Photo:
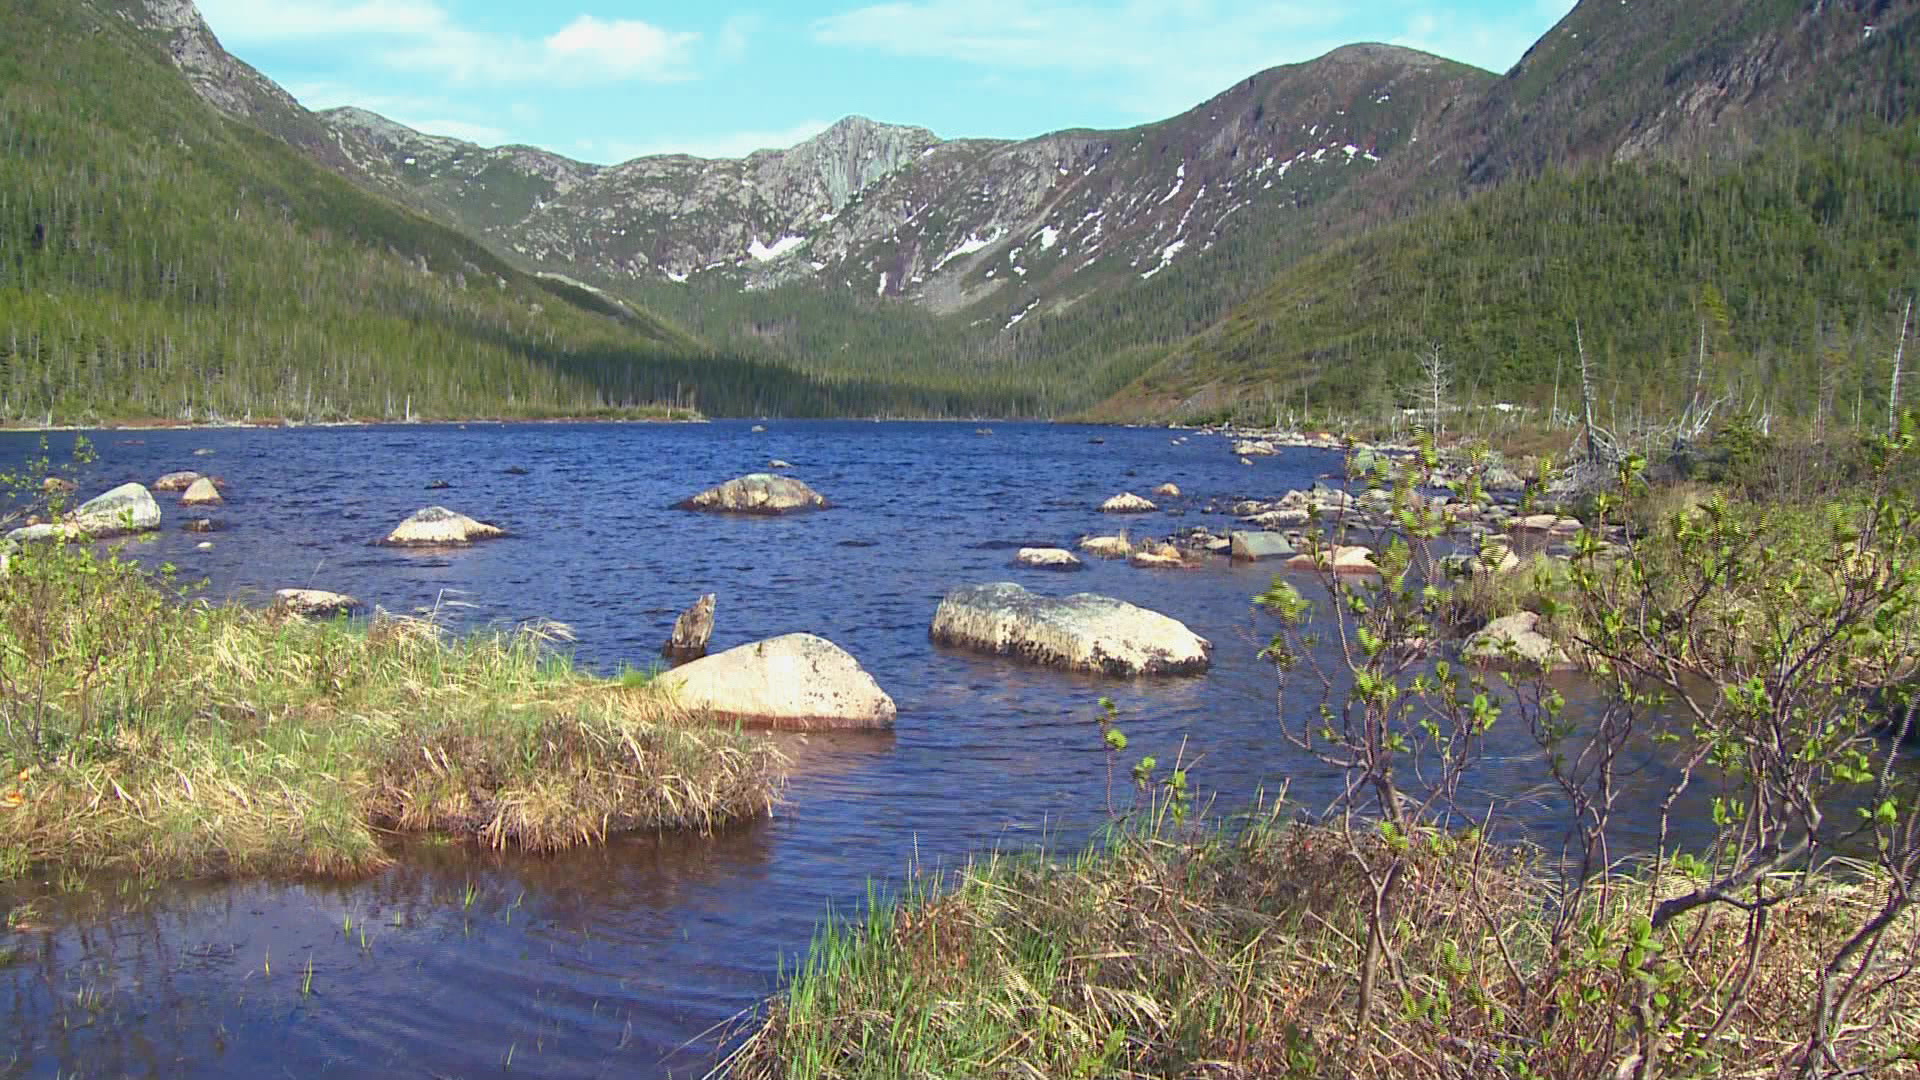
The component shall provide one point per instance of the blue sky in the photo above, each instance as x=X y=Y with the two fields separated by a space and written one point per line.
x=607 y=80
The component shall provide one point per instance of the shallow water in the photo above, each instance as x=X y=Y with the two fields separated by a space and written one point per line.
x=624 y=961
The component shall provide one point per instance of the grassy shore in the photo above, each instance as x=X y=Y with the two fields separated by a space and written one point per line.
x=1232 y=953
x=142 y=731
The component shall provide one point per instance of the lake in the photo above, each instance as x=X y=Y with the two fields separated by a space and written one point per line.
x=629 y=960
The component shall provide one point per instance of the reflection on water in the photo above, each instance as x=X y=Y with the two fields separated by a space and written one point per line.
x=623 y=961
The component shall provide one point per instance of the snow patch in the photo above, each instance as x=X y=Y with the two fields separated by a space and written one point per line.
x=882 y=290
x=967 y=247
x=1049 y=237
x=1179 y=182
x=763 y=253
x=677 y=279
x=1167 y=255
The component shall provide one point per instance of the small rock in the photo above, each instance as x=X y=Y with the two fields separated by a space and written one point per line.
x=759 y=429
x=1048 y=559
x=438 y=526
x=1254 y=448
x=200 y=525
x=1167 y=491
x=1343 y=560
x=1127 y=503
x=204 y=545
x=776 y=463
x=1246 y=461
x=313 y=603
x=514 y=470
x=58 y=485
x=201 y=493
x=692 y=630
x=203 y=452
x=758 y=493
x=1163 y=557
x=176 y=481
x=439 y=485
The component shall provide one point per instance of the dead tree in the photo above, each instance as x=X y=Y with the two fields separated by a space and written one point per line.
x=1899 y=354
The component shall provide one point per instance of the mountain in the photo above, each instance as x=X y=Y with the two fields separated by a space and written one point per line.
x=1644 y=170
x=896 y=212
x=160 y=260
x=1311 y=229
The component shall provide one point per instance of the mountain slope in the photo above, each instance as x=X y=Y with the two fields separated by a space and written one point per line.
x=1725 y=92
x=159 y=260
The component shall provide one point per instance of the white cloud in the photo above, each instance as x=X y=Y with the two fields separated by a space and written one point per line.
x=1152 y=44
x=420 y=36
x=737 y=144
x=735 y=35
x=251 y=22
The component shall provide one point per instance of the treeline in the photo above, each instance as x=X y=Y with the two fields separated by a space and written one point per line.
x=159 y=261
x=1777 y=284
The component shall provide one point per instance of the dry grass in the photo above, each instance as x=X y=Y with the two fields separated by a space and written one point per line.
x=146 y=733
x=1234 y=955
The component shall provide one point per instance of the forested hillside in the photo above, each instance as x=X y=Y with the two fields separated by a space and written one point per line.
x=1789 y=273
x=160 y=261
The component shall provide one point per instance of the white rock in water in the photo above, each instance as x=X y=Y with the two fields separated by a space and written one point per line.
x=1515 y=641
x=758 y=493
x=201 y=493
x=1081 y=633
x=128 y=508
x=1127 y=503
x=437 y=526
x=316 y=603
x=1107 y=547
x=798 y=682
x=1048 y=559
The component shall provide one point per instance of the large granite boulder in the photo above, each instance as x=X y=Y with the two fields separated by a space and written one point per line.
x=758 y=493
x=437 y=526
x=1080 y=633
x=798 y=682
x=692 y=630
x=1515 y=641
x=126 y=509
x=314 y=603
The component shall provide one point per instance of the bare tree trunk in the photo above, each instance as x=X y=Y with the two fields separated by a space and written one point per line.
x=1899 y=354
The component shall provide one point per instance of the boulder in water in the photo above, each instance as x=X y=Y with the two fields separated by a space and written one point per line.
x=1515 y=641
x=313 y=603
x=1256 y=546
x=798 y=682
x=201 y=493
x=1127 y=503
x=1080 y=633
x=1167 y=491
x=437 y=526
x=758 y=493
x=692 y=630
x=126 y=509
x=1048 y=559
x=176 y=481
x=1107 y=547
x=1342 y=560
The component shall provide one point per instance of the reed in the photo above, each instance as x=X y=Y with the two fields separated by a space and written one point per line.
x=143 y=730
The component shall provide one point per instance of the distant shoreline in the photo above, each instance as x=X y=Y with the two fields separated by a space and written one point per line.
x=276 y=425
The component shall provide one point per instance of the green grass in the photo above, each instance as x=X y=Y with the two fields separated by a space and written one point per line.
x=1231 y=954
x=143 y=732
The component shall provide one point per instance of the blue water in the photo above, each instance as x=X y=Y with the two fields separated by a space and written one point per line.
x=626 y=961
